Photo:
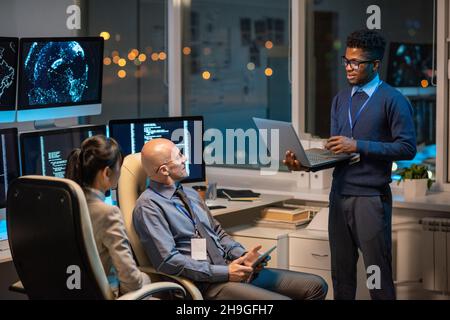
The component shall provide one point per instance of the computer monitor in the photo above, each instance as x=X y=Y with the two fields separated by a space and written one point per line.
x=46 y=152
x=9 y=163
x=409 y=64
x=59 y=78
x=8 y=78
x=185 y=132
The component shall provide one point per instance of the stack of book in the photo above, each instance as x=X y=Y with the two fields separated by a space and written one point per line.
x=286 y=217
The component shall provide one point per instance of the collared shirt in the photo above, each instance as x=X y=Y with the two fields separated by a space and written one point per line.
x=165 y=231
x=369 y=88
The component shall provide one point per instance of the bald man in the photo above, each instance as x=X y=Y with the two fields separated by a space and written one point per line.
x=182 y=238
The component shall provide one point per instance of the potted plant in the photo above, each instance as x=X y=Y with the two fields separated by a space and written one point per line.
x=416 y=181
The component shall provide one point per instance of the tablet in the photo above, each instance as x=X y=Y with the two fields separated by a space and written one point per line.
x=263 y=257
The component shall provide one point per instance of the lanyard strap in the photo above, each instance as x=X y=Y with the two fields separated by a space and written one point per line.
x=350 y=120
x=183 y=210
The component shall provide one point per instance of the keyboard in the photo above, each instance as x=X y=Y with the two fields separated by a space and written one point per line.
x=321 y=156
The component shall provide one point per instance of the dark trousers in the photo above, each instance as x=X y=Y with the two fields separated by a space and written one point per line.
x=271 y=284
x=364 y=223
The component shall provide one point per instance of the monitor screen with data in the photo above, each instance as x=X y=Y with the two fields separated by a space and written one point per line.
x=59 y=77
x=185 y=132
x=8 y=78
x=46 y=152
x=9 y=161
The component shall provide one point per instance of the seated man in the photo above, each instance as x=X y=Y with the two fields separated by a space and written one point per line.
x=174 y=226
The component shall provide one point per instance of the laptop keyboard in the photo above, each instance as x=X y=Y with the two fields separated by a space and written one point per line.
x=320 y=156
x=317 y=159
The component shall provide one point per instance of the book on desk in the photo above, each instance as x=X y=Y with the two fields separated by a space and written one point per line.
x=286 y=217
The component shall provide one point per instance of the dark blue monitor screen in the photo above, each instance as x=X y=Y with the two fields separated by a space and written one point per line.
x=60 y=72
x=46 y=152
x=9 y=161
x=409 y=64
x=185 y=132
x=8 y=73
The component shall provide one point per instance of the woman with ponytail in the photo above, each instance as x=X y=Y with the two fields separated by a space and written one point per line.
x=96 y=168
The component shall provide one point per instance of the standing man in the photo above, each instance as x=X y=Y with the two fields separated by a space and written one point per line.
x=375 y=120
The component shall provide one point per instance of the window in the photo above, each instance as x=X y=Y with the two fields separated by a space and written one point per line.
x=236 y=63
x=408 y=62
x=134 y=73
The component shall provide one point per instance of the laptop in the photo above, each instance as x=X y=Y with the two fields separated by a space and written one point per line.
x=314 y=159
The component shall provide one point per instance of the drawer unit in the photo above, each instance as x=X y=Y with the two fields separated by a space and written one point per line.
x=250 y=236
x=309 y=253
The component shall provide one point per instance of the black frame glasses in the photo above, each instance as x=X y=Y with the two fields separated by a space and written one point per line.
x=354 y=64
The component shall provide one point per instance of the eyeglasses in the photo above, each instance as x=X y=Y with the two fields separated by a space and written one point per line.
x=177 y=159
x=354 y=64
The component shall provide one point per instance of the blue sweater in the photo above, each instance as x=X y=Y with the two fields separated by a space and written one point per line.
x=384 y=133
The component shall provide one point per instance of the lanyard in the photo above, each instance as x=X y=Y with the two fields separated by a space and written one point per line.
x=183 y=210
x=350 y=120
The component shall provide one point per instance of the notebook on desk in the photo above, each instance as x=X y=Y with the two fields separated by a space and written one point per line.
x=238 y=195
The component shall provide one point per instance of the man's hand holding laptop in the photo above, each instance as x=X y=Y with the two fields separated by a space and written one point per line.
x=336 y=144
x=292 y=163
x=340 y=144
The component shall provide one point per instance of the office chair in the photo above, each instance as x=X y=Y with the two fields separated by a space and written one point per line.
x=52 y=243
x=132 y=183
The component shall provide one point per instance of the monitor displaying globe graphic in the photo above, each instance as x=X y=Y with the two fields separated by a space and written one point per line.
x=58 y=73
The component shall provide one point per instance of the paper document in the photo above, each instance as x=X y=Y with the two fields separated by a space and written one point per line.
x=320 y=221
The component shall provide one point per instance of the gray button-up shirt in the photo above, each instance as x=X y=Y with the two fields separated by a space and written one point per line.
x=165 y=230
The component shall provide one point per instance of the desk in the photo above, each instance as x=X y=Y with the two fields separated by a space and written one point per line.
x=232 y=207
x=237 y=206
x=433 y=201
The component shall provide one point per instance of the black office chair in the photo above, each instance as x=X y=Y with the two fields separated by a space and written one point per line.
x=51 y=239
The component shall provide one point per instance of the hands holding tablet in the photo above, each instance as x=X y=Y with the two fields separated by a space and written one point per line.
x=245 y=268
x=257 y=261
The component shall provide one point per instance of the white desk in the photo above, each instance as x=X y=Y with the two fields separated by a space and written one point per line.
x=236 y=206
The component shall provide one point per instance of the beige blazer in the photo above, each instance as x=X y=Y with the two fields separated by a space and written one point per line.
x=112 y=243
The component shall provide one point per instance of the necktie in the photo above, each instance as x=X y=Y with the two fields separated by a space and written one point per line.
x=357 y=102
x=214 y=253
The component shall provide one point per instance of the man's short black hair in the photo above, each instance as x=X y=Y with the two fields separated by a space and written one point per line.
x=370 y=41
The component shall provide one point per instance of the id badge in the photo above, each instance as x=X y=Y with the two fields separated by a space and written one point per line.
x=198 y=249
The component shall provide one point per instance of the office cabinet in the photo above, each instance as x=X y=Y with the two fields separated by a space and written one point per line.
x=314 y=253
x=309 y=251
x=250 y=236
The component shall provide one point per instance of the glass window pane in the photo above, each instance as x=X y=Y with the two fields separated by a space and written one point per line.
x=134 y=83
x=236 y=63
x=407 y=65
